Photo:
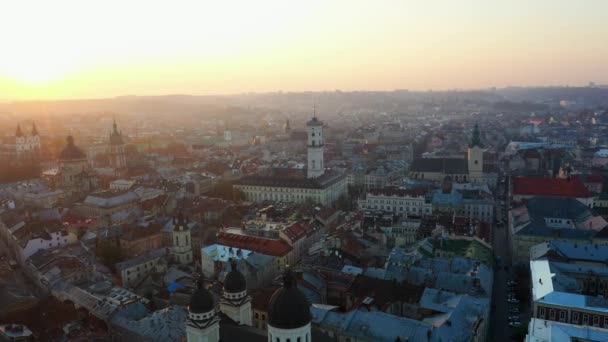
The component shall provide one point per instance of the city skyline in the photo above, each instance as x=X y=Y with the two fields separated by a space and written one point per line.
x=103 y=50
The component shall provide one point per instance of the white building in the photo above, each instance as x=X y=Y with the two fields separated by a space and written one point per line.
x=135 y=269
x=318 y=185
x=398 y=201
x=25 y=239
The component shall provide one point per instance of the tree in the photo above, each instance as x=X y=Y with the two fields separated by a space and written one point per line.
x=109 y=253
x=344 y=203
x=227 y=191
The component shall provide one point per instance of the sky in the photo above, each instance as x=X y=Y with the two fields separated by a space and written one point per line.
x=89 y=49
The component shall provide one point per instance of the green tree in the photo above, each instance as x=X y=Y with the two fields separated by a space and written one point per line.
x=345 y=203
x=109 y=254
x=227 y=191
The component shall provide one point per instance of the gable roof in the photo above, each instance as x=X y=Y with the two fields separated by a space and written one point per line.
x=538 y=186
x=253 y=243
x=441 y=165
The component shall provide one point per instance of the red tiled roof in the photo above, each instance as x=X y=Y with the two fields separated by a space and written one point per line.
x=72 y=218
x=156 y=201
x=326 y=213
x=272 y=247
x=295 y=232
x=550 y=187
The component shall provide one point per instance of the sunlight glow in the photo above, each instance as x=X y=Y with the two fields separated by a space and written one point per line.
x=74 y=48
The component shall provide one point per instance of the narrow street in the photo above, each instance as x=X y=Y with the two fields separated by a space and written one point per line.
x=500 y=330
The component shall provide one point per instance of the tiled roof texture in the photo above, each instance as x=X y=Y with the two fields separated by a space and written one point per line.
x=253 y=243
x=538 y=186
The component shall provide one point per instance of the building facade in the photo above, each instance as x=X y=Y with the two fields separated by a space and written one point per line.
x=27 y=146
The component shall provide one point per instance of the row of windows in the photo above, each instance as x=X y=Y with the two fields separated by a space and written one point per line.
x=552 y=314
x=401 y=209
x=420 y=202
x=299 y=339
x=277 y=189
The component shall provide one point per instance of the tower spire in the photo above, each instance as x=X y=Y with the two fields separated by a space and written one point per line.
x=18 y=132
x=476 y=137
x=34 y=130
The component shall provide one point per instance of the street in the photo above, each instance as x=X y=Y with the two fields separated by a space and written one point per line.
x=500 y=330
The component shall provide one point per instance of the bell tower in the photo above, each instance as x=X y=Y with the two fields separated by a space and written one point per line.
x=235 y=301
x=182 y=244
x=316 y=145
x=475 y=157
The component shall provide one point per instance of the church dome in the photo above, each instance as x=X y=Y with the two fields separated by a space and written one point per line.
x=201 y=301
x=235 y=280
x=71 y=151
x=289 y=308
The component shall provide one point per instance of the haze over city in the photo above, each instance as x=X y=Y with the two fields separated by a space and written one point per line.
x=304 y=171
x=75 y=49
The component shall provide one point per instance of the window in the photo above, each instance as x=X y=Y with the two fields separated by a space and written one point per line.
x=596 y=321
x=263 y=317
x=585 y=319
x=562 y=316
x=575 y=317
x=552 y=314
x=541 y=312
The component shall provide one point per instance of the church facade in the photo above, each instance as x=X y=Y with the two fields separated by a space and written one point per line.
x=461 y=170
x=74 y=176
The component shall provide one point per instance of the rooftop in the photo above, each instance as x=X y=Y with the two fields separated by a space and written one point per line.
x=327 y=179
x=443 y=165
x=540 y=186
x=274 y=247
x=148 y=256
x=540 y=330
x=372 y=325
x=560 y=283
x=111 y=198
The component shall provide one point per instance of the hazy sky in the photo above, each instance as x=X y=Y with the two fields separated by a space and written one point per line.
x=71 y=49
